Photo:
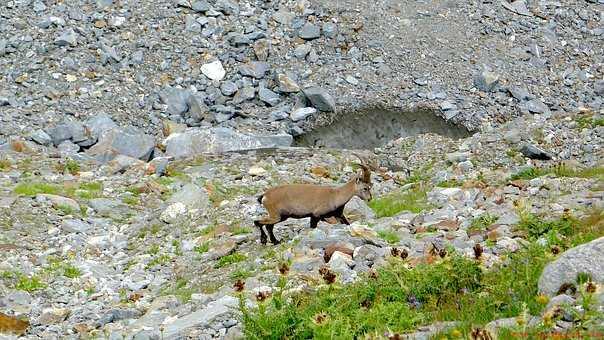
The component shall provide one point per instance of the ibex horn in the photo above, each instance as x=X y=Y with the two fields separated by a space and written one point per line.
x=366 y=170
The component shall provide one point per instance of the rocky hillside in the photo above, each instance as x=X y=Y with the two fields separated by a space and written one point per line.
x=136 y=136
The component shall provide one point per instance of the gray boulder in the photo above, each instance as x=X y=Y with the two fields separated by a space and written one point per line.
x=586 y=258
x=192 y=196
x=218 y=140
x=320 y=99
x=309 y=32
x=255 y=69
x=95 y=126
x=67 y=131
x=127 y=141
x=357 y=209
x=75 y=226
x=216 y=309
x=268 y=96
x=486 y=81
x=41 y=137
x=183 y=102
x=533 y=152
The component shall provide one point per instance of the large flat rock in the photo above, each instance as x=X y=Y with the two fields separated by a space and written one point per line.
x=587 y=258
x=197 y=141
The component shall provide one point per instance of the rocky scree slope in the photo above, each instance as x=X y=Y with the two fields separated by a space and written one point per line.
x=120 y=251
x=245 y=64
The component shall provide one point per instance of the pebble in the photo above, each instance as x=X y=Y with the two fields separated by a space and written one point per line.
x=213 y=70
x=302 y=113
x=309 y=32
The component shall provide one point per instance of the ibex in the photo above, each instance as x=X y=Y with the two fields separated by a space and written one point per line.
x=318 y=202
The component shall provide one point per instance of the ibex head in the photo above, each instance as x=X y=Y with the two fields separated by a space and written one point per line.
x=363 y=182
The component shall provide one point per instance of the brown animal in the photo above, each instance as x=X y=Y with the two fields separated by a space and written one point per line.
x=318 y=202
x=10 y=324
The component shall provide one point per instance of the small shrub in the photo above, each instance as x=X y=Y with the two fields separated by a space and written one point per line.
x=230 y=259
x=72 y=167
x=413 y=200
x=389 y=236
x=536 y=227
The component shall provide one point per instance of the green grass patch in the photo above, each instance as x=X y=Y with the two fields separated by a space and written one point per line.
x=181 y=290
x=560 y=170
x=230 y=259
x=589 y=122
x=591 y=172
x=158 y=260
x=420 y=175
x=528 y=173
x=89 y=190
x=35 y=188
x=567 y=231
x=239 y=230
x=219 y=192
x=5 y=164
x=72 y=167
x=202 y=248
x=58 y=266
x=241 y=274
x=389 y=236
x=65 y=209
x=29 y=283
x=81 y=190
x=71 y=272
x=482 y=222
x=399 y=299
x=452 y=183
x=413 y=200
x=131 y=200
x=154 y=249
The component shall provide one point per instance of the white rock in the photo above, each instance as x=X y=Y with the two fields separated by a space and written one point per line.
x=302 y=113
x=213 y=70
x=340 y=262
x=117 y=21
x=262 y=289
x=256 y=171
x=173 y=212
